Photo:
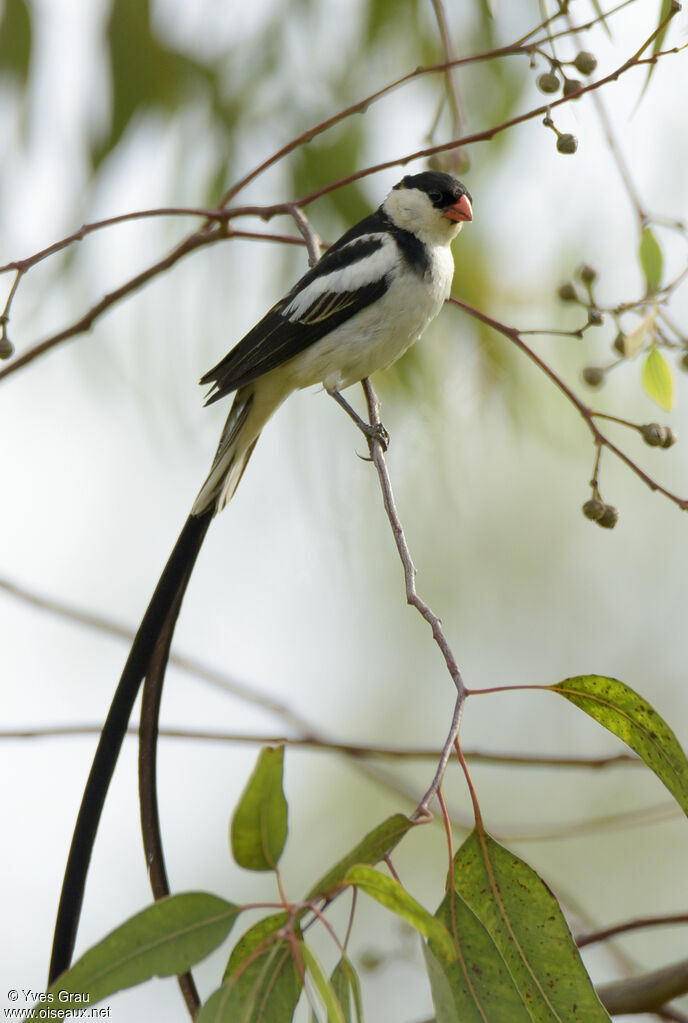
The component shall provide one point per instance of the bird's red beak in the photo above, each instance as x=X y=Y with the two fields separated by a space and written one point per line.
x=460 y=210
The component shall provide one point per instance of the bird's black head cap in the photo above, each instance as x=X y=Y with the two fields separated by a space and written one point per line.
x=442 y=189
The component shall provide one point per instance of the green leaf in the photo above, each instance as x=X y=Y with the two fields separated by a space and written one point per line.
x=664 y=11
x=526 y=924
x=163 y=940
x=259 y=825
x=345 y=983
x=323 y=986
x=376 y=844
x=15 y=39
x=477 y=985
x=657 y=379
x=262 y=983
x=651 y=259
x=626 y=714
x=392 y=895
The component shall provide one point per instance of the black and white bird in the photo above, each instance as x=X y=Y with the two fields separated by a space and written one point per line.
x=366 y=301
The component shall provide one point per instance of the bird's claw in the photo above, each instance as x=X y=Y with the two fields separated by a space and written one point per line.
x=377 y=431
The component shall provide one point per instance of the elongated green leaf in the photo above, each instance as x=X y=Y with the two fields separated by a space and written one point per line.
x=323 y=986
x=625 y=713
x=376 y=844
x=477 y=985
x=664 y=10
x=651 y=259
x=389 y=893
x=165 y=939
x=259 y=825
x=526 y=924
x=657 y=379
x=345 y=983
x=264 y=989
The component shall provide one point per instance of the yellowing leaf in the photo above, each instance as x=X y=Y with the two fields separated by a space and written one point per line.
x=657 y=379
x=389 y=893
x=635 y=341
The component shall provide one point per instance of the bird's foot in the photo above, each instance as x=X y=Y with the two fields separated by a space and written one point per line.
x=376 y=431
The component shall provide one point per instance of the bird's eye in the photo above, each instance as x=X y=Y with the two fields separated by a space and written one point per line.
x=435 y=197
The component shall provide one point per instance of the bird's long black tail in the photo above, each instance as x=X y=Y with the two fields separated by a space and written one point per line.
x=160 y=616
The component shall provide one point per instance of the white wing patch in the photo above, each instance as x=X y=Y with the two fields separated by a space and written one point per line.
x=319 y=298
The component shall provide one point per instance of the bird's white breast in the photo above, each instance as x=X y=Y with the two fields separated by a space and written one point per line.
x=378 y=335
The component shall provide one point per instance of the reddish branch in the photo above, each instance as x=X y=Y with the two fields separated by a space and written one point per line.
x=587 y=414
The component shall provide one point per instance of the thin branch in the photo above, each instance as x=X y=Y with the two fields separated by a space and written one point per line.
x=189 y=665
x=412 y=597
x=23 y=265
x=630 y=925
x=85 y=322
x=354 y=750
x=586 y=413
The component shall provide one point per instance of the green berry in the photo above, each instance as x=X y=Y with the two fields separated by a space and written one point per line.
x=567 y=292
x=684 y=362
x=587 y=274
x=548 y=82
x=609 y=518
x=6 y=348
x=595 y=317
x=620 y=343
x=572 y=85
x=594 y=509
x=567 y=144
x=585 y=62
x=653 y=434
x=593 y=376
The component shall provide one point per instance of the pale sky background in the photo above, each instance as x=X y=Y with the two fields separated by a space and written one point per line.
x=298 y=591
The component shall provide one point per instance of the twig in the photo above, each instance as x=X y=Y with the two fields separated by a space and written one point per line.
x=630 y=925
x=85 y=322
x=412 y=597
x=189 y=665
x=587 y=414
x=354 y=750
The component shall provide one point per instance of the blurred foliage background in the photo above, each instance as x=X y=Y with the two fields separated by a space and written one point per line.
x=113 y=106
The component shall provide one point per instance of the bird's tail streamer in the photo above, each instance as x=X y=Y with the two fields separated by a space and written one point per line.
x=160 y=616
x=239 y=437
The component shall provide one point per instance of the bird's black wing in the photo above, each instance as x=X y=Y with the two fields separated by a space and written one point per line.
x=281 y=335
